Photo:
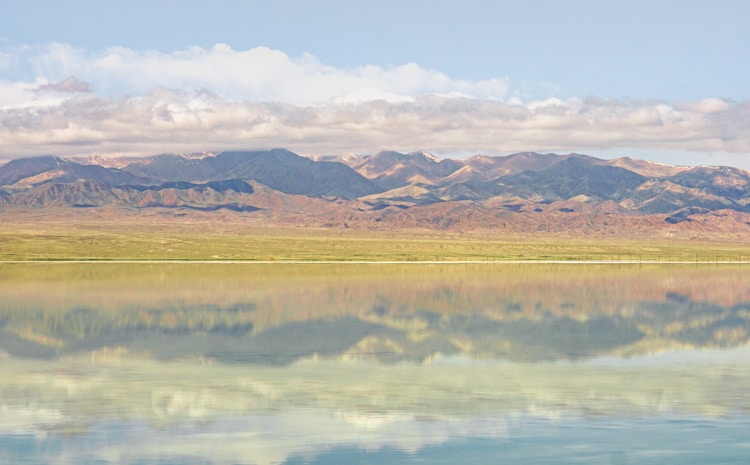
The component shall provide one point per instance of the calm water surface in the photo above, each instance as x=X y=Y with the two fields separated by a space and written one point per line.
x=374 y=364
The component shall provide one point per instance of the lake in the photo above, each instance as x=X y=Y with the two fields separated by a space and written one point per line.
x=187 y=363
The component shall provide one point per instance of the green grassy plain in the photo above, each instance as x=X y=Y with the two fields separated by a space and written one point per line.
x=111 y=241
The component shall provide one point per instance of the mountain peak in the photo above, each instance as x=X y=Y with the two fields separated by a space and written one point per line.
x=426 y=155
x=16 y=170
x=647 y=168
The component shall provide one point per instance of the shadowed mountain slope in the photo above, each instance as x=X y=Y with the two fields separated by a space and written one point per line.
x=278 y=168
x=572 y=177
x=39 y=170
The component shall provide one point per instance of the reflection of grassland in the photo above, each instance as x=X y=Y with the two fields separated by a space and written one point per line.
x=196 y=242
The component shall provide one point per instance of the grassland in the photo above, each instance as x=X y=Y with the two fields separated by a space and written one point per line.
x=104 y=241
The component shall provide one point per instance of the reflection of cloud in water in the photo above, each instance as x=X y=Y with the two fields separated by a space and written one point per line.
x=368 y=395
x=319 y=437
x=18 y=420
x=269 y=439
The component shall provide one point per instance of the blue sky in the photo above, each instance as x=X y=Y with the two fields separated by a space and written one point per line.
x=664 y=80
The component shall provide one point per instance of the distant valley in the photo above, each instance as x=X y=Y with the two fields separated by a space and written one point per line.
x=519 y=193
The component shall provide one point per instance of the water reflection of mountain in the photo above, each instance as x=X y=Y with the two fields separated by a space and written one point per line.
x=278 y=314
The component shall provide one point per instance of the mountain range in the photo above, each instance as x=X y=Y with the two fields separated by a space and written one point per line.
x=522 y=192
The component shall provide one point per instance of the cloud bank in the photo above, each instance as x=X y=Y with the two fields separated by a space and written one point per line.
x=62 y=100
x=257 y=74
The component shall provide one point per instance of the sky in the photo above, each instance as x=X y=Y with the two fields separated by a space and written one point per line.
x=666 y=81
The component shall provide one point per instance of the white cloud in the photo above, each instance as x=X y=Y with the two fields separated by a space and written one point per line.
x=229 y=99
x=170 y=120
x=15 y=93
x=707 y=105
x=257 y=74
x=366 y=94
